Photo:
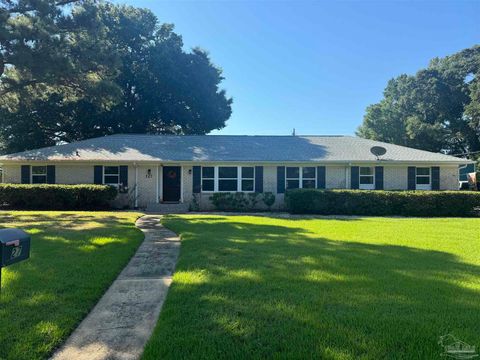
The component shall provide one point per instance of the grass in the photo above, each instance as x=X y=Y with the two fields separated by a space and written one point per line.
x=74 y=257
x=352 y=288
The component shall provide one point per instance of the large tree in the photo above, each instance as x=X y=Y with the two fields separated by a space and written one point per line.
x=137 y=79
x=437 y=109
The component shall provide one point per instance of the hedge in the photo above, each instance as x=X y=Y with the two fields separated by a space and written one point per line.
x=56 y=197
x=375 y=203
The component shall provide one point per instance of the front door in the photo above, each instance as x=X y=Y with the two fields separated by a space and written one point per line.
x=171 y=183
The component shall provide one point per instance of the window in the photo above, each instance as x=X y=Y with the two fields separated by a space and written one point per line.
x=293 y=178
x=208 y=178
x=228 y=178
x=301 y=177
x=423 y=178
x=248 y=178
x=39 y=174
x=367 y=178
x=308 y=177
x=111 y=175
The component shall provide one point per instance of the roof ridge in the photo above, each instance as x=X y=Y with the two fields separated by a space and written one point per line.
x=221 y=135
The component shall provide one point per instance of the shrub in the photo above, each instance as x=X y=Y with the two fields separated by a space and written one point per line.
x=237 y=201
x=268 y=199
x=56 y=197
x=375 y=203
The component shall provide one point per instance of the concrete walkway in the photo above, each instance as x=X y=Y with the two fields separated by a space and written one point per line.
x=120 y=324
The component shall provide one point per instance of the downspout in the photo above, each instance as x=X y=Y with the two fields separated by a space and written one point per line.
x=136 y=185
x=157 y=177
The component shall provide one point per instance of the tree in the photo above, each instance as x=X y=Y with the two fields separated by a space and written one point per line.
x=435 y=110
x=44 y=42
x=152 y=85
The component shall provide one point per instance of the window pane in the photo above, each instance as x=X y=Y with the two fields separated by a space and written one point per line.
x=293 y=184
x=39 y=170
x=39 y=179
x=247 y=185
x=423 y=180
x=423 y=171
x=111 y=179
x=293 y=172
x=227 y=185
x=366 y=179
x=208 y=172
x=208 y=185
x=110 y=170
x=227 y=172
x=366 y=171
x=309 y=184
x=247 y=172
x=308 y=173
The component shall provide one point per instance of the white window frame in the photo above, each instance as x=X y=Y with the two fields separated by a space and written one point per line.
x=103 y=175
x=366 y=186
x=216 y=179
x=300 y=176
x=32 y=174
x=207 y=178
x=423 y=186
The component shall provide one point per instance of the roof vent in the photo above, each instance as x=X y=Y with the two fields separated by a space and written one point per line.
x=378 y=151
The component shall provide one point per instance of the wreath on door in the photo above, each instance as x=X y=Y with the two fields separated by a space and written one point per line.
x=172 y=174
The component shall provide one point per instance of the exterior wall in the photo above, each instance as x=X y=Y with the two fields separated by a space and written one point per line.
x=149 y=188
x=336 y=177
x=12 y=174
x=146 y=184
x=449 y=178
x=74 y=174
x=395 y=177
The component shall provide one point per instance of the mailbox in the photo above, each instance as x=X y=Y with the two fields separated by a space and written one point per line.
x=14 y=246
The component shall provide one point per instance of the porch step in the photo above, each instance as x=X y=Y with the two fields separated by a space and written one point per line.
x=167 y=208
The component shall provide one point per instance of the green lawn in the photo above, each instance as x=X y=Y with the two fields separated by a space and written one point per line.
x=353 y=288
x=75 y=256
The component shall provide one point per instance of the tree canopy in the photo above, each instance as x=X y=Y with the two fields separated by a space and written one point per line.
x=437 y=109
x=71 y=70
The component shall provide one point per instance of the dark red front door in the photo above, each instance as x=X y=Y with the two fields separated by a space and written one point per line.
x=171 y=183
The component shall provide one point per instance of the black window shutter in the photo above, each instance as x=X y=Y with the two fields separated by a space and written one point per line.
x=124 y=175
x=378 y=177
x=50 y=174
x=280 y=179
x=321 y=177
x=25 y=174
x=412 y=173
x=98 y=174
x=354 y=177
x=435 y=178
x=197 y=179
x=259 y=179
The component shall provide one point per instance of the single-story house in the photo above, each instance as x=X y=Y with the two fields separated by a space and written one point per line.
x=158 y=169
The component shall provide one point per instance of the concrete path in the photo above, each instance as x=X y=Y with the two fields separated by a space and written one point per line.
x=120 y=324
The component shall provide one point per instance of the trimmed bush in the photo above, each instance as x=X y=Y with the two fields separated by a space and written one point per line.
x=56 y=197
x=237 y=201
x=382 y=203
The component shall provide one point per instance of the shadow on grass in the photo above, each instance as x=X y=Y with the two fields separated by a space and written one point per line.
x=74 y=258
x=257 y=290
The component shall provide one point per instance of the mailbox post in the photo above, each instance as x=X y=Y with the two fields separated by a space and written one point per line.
x=14 y=247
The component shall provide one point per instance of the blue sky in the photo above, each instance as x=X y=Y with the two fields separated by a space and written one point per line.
x=314 y=65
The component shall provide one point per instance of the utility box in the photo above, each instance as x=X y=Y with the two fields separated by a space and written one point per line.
x=14 y=246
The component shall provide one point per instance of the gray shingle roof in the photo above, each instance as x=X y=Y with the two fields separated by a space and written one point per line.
x=228 y=148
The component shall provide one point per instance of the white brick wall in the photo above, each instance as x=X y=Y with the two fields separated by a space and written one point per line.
x=12 y=174
x=335 y=177
x=449 y=178
x=395 y=177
